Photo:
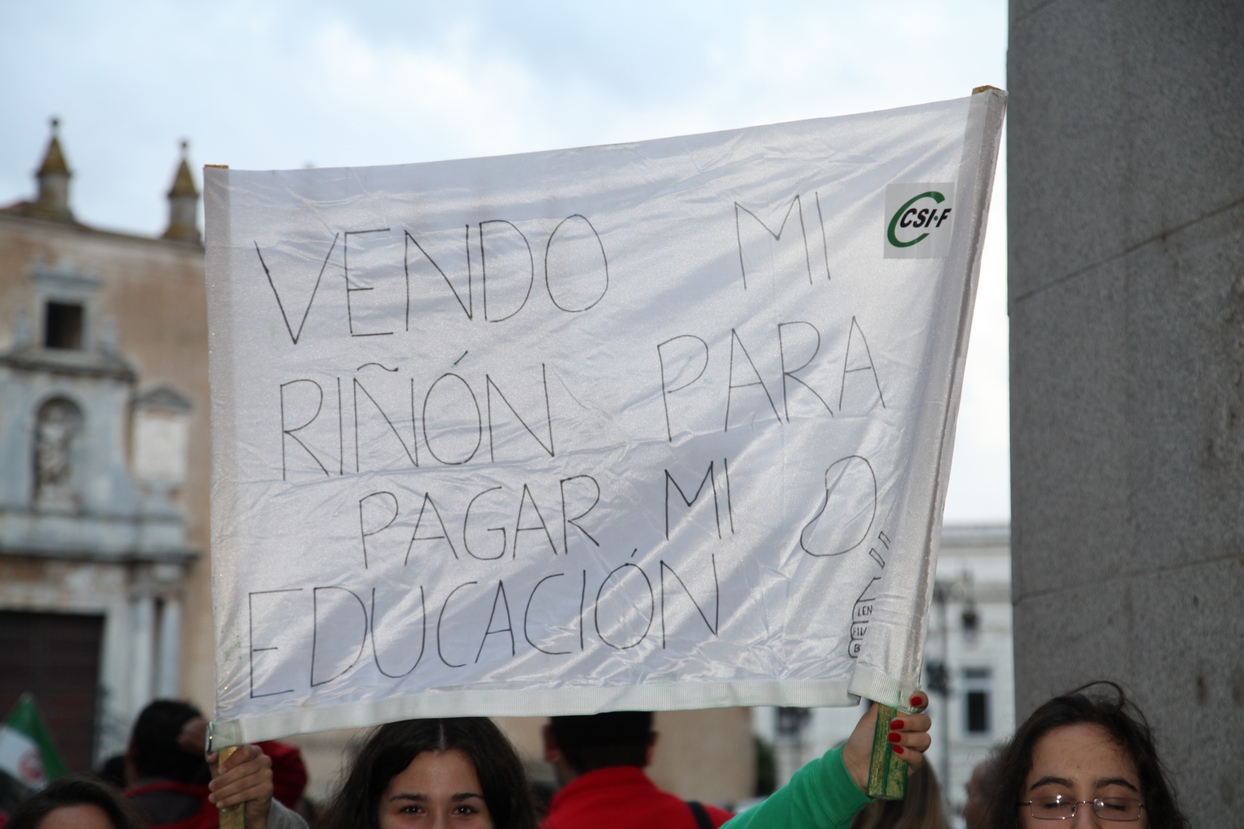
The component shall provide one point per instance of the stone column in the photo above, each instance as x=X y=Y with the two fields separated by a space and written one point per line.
x=142 y=646
x=1126 y=270
x=168 y=662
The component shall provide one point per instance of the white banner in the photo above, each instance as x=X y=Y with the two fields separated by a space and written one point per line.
x=657 y=425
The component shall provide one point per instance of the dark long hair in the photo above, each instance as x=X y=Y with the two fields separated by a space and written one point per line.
x=393 y=747
x=1103 y=704
x=75 y=791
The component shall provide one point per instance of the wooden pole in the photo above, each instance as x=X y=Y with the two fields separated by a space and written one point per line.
x=233 y=817
x=887 y=775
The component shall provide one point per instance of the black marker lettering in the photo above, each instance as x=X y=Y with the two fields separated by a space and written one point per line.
x=498 y=597
x=824 y=239
x=365 y=533
x=491 y=386
x=540 y=525
x=345 y=259
x=315 y=630
x=319 y=404
x=423 y=636
x=569 y=267
x=791 y=372
x=735 y=339
x=795 y=203
x=414 y=536
x=504 y=251
x=280 y=305
x=250 y=608
x=666 y=390
x=618 y=589
x=466 y=534
x=849 y=368
x=708 y=476
x=527 y=615
x=713 y=625
x=468 y=307
x=411 y=452
x=568 y=521
x=479 y=422
x=440 y=620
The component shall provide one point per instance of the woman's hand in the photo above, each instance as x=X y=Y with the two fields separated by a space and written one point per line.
x=246 y=777
x=909 y=739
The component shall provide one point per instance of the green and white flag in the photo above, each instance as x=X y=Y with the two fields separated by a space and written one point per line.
x=26 y=750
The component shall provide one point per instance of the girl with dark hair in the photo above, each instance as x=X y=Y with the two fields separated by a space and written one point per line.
x=434 y=772
x=75 y=802
x=1086 y=751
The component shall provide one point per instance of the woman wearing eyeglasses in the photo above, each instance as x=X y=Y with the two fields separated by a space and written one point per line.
x=1088 y=758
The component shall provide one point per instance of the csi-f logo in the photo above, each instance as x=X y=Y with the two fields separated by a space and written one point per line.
x=918 y=220
x=911 y=214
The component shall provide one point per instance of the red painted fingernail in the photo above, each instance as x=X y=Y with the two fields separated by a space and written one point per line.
x=894 y=738
x=916 y=701
x=896 y=725
x=897 y=749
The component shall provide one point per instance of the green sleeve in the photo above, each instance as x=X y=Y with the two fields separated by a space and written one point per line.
x=821 y=794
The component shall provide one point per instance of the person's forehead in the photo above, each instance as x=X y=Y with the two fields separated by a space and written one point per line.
x=81 y=816
x=1080 y=751
x=436 y=769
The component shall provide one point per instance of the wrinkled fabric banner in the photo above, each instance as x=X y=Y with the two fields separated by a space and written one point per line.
x=653 y=426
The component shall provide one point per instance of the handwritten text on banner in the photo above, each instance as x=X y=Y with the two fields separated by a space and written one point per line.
x=652 y=425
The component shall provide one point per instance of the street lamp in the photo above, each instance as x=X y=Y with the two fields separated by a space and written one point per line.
x=938 y=671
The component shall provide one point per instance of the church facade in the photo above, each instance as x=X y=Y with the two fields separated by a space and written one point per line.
x=104 y=465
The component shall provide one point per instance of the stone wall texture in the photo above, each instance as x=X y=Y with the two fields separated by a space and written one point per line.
x=1126 y=299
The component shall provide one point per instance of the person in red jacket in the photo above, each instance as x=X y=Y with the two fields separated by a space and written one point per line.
x=600 y=762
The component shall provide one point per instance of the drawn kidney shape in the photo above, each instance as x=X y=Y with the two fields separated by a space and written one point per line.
x=847 y=510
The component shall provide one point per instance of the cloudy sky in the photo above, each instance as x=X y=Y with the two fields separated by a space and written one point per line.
x=278 y=84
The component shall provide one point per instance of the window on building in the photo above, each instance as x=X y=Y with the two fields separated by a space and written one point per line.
x=976 y=700
x=792 y=721
x=62 y=326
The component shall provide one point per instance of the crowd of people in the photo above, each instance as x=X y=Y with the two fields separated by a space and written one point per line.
x=1087 y=756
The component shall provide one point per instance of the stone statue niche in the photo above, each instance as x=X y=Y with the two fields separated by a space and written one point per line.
x=57 y=427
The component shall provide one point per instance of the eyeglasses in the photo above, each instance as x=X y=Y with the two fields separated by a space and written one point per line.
x=1059 y=807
